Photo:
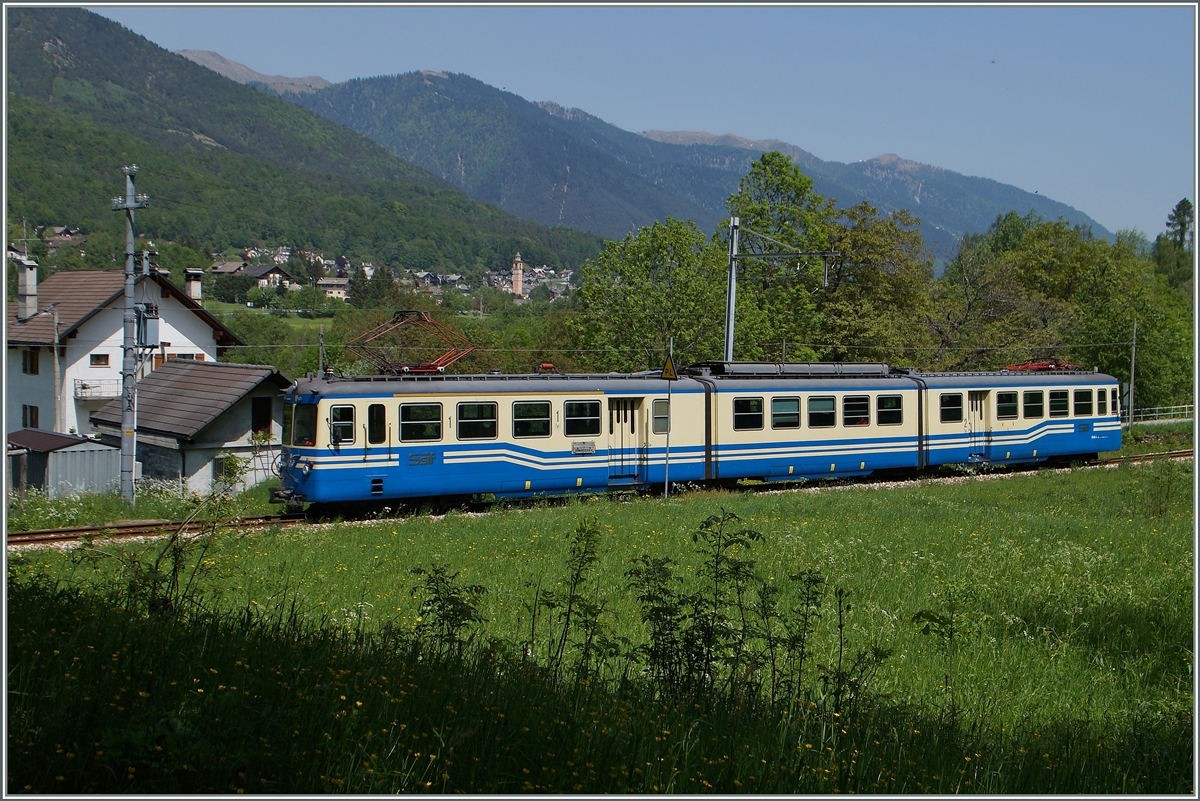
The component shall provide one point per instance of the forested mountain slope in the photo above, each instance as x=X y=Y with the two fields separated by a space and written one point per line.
x=503 y=150
x=564 y=166
x=225 y=164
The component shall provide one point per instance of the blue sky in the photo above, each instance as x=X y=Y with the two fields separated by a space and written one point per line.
x=1091 y=106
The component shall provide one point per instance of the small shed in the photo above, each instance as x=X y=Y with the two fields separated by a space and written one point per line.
x=190 y=414
x=62 y=464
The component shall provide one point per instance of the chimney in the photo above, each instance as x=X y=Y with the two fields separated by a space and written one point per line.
x=191 y=281
x=27 y=290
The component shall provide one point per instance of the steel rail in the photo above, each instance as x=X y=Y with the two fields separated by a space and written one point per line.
x=142 y=529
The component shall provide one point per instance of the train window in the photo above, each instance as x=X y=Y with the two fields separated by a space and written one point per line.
x=856 y=410
x=661 y=423
x=822 y=412
x=376 y=423
x=1101 y=402
x=341 y=424
x=1083 y=403
x=581 y=418
x=288 y=410
x=477 y=421
x=531 y=419
x=889 y=410
x=785 y=412
x=747 y=414
x=1035 y=405
x=1116 y=408
x=304 y=426
x=420 y=421
x=1060 y=403
x=1006 y=405
x=952 y=407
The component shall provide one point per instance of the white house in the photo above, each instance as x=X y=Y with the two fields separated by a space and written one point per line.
x=87 y=306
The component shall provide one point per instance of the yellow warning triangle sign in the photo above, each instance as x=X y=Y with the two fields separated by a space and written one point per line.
x=668 y=371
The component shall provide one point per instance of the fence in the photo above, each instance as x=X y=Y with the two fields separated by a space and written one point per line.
x=1160 y=413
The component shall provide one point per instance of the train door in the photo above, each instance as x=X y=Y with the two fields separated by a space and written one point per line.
x=626 y=455
x=979 y=427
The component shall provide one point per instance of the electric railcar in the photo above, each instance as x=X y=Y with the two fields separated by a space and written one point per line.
x=391 y=438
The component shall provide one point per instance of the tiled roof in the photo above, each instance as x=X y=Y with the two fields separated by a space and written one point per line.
x=43 y=441
x=259 y=270
x=182 y=396
x=80 y=294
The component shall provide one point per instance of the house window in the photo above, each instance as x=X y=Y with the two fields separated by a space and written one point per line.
x=376 y=423
x=952 y=407
x=785 y=412
x=341 y=424
x=581 y=418
x=261 y=414
x=1034 y=405
x=822 y=412
x=1083 y=403
x=747 y=414
x=1060 y=400
x=889 y=410
x=531 y=419
x=98 y=360
x=661 y=422
x=29 y=416
x=856 y=410
x=1006 y=405
x=29 y=360
x=420 y=422
x=477 y=421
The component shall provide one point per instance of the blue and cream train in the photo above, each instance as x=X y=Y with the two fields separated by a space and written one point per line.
x=388 y=438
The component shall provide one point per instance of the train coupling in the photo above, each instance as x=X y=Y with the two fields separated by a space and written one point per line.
x=285 y=496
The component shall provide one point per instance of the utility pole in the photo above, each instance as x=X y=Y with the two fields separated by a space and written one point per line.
x=131 y=201
x=1132 y=367
x=731 y=292
x=731 y=297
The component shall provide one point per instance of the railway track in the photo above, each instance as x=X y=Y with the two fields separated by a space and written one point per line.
x=1145 y=457
x=151 y=528
x=146 y=528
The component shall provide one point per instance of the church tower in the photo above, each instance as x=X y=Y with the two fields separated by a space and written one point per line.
x=518 y=276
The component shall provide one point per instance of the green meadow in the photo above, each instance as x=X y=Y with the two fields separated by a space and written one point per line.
x=1023 y=634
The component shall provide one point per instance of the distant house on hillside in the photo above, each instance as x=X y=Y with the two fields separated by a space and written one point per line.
x=267 y=274
x=192 y=413
x=88 y=306
x=334 y=287
x=227 y=267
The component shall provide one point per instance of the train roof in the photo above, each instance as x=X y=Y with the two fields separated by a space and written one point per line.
x=732 y=375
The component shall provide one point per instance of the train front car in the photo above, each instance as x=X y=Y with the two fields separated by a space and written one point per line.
x=1013 y=417
x=392 y=438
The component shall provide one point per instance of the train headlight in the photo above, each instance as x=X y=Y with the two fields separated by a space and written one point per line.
x=308 y=465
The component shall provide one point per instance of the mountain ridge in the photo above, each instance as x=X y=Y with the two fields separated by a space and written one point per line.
x=243 y=74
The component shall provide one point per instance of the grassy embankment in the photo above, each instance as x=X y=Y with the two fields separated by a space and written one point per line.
x=1027 y=635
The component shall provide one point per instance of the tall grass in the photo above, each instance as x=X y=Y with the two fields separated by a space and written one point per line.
x=1028 y=635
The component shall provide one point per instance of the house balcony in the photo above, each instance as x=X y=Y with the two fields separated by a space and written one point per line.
x=97 y=388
